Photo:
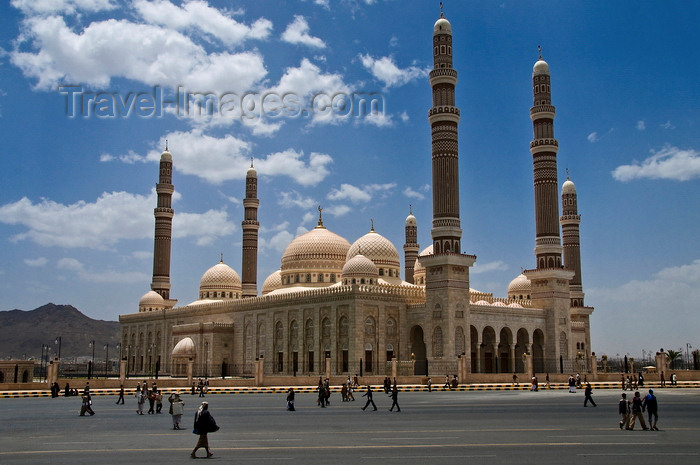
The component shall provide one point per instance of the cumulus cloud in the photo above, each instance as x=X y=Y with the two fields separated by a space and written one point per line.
x=48 y=7
x=277 y=242
x=97 y=275
x=359 y=194
x=385 y=70
x=667 y=125
x=297 y=32
x=410 y=193
x=108 y=49
x=487 y=267
x=675 y=289
x=295 y=199
x=592 y=137
x=200 y=15
x=36 y=262
x=641 y=125
x=113 y=217
x=668 y=163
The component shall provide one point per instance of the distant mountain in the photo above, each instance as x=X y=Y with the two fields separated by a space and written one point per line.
x=22 y=333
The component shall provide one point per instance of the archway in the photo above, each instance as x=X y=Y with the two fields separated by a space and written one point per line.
x=418 y=351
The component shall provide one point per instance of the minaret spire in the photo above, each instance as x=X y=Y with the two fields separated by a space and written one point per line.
x=250 y=227
x=410 y=247
x=570 y=222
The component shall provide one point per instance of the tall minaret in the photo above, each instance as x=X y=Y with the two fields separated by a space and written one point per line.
x=250 y=226
x=444 y=118
x=550 y=281
x=411 y=247
x=164 y=226
x=544 y=149
x=447 y=269
x=570 y=221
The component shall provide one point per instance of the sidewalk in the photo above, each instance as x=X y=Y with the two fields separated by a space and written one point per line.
x=308 y=389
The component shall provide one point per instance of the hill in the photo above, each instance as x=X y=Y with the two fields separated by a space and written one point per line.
x=22 y=333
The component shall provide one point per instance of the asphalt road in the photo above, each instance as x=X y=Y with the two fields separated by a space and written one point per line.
x=486 y=427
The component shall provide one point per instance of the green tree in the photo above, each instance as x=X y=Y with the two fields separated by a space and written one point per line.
x=674 y=355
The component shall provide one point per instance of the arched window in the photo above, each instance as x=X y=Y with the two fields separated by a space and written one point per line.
x=343 y=326
x=437 y=342
x=459 y=341
x=369 y=326
x=309 y=329
x=326 y=327
x=294 y=330
x=390 y=327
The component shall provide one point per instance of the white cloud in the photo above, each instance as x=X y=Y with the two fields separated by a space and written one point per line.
x=675 y=289
x=404 y=116
x=668 y=163
x=487 y=267
x=385 y=70
x=290 y=163
x=278 y=242
x=410 y=193
x=116 y=48
x=379 y=119
x=198 y=14
x=295 y=199
x=359 y=194
x=142 y=254
x=667 y=125
x=36 y=262
x=101 y=275
x=113 y=217
x=337 y=210
x=46 y=7
x=592 y=137
x=641 y=125
x=297 y=32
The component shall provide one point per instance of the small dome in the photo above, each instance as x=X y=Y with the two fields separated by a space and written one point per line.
x=165 y=156
x=419 y=269
x=515 y=305
x=411 y=220
x=482 y=302
x=318 y=252
x=220 y=281
x=151 y=300
x=541 y=67
x=360 y=266
x=251 y=172
x=442 y=26
x=272 y=282
x=498 y=304
x=184 y=348
x=377 y=248
x=519 y=288
x=568 y=187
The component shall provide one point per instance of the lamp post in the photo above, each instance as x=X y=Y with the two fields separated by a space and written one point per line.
x=58 y=341
x=687 y=355
x=92 y=363
x=106 y=358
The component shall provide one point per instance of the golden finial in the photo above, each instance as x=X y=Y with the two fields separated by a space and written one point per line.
x=251 y=162
x=567 y=174
x=320 y=217
x=221 y=260
x=410 y=209
x=539 y=49
x=442 y=13
x=372 y=221
x=166 y=145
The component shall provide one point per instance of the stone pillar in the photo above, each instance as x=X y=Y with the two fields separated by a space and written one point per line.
x=328 y=367
x=394 y=368
x=662 y=362
x=478 y=358
x=529 y=365
x=122 y=371
x=49 y=374
x=190 y=371
x=512 y=364
x=460 y=368
x=594 y=367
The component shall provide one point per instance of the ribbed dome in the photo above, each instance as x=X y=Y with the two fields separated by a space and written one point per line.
x=184 y=348
x=360 y=266
x=541 y=67
x=151 y=300
x=318 y=249
x=377 y=248
x=568 y=187
x=220 y=278
x=519 y=288
x=418 y=269
x=272 y=282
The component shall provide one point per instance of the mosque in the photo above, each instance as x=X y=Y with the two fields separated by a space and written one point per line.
x=345 y=305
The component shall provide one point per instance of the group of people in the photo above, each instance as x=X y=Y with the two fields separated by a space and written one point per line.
x=632 y=382
x=632 y=410
x=153 y=395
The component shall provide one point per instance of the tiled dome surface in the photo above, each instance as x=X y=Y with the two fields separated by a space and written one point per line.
x=377 y=248
x=220 y=277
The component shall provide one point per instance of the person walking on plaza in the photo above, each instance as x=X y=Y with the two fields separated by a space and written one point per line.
x=430 y=384
x=151 y=396
x=177 y=408
x=663 y=379
x=652 y=406
x=368 y=395
x=587 y=392
x=121 y=395
x=203 y=424
x=290 y=400
x=86 y=405
x=637 y=409
x=395 y=399
x=140 y=399
x=623 y=409
x=546 y=382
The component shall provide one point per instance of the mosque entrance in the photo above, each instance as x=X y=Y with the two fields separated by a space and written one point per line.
x=420 y=366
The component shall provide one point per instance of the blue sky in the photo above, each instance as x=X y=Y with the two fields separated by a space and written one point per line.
x=77 y=193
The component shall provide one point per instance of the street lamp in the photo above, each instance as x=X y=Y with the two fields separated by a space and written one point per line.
x=58 y=341
x=92 y=363
x=687 y=355
x=106 y=358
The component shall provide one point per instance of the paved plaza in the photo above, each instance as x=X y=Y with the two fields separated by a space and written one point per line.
x=482 y=427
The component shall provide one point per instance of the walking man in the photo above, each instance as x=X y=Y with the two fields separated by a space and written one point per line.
x=587 y=392
x=121 y=395
x=651 y=406
x=203 y=424
x=394 y=399
x=637 y=409
x=368 y=394
x=624 y=410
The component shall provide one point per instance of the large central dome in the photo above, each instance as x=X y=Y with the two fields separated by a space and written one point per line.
x=315 y=257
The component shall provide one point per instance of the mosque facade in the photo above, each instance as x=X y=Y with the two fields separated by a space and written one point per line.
x=346 y=304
